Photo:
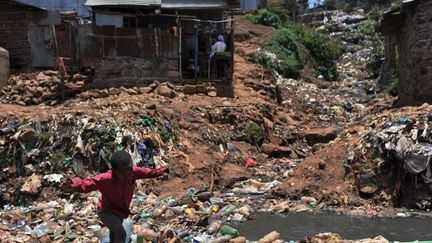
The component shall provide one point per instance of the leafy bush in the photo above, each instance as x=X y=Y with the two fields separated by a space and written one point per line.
x=254 y=133
x=377 y=55
x=321 y=48
x=272 y=16
x=281 y=54
x=392 y=87
x=368 y=27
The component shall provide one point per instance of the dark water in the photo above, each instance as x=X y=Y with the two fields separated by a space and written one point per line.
x=297 y=225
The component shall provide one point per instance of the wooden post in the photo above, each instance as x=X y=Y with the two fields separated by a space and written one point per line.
x=233 y=48
x=180 y=47
x=60 y=65
x=196 y=54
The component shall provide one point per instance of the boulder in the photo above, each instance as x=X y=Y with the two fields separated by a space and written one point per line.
x=320 y=135
x=276 y=151
x=32 y=185
x=189 y=89
x=145 y=90
x=164 y=90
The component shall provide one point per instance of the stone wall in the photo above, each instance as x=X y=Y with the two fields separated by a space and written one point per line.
x=4 y=67
x=131 y=71
x=14 y=22
x=415 y=55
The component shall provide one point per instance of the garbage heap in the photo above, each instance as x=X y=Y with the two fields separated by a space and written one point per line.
x=38 y=88
x=77 y=144
x=198 y=216
x=396 y=153
x=345 y=100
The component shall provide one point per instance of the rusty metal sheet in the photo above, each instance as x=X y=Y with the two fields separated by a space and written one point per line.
x=39 y=38
x=146 y=43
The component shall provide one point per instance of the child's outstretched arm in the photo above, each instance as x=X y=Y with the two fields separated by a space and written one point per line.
x=142 y=173
x=82 y=185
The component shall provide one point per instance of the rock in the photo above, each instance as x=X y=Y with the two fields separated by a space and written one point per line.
x=36 y=101
x=268 y=124
x=320 y=135
x=145 y=90
x=46 y=96
x=114 y=91
x=366 y=181
x=39 y=89
x=322 y=165
x=104 y=93
x=132 y=92
x=170 y=85
x=27 y=135
x=154 y=85
x=189 y=89
x=79 y=77
x=326 y=237
x=262 y=92
x=32 y=185
x=211 y=88
x=276 y=151
x=266 y=82
x=167 y=111
x=368 y=190
x=151 y=106
x=212 y=93
x=165 y=91
x=41 y=76
x=184 y=124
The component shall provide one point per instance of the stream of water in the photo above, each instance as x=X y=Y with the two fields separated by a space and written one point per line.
x=296 y=226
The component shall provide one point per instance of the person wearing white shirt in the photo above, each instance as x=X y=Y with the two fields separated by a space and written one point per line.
x=219 y=46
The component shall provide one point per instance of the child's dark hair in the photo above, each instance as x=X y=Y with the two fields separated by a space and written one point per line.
x=120 y=158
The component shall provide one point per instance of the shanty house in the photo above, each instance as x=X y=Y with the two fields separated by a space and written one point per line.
x=60 y=5
x=137 y=40
x=407 y=33
x=25 y=31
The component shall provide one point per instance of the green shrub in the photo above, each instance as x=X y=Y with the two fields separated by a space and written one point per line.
x=254 y=133
x=272 y=16
x=377 y=55
x=392 y=87
x=281 y=54
x=324 y=51
x=368 y=27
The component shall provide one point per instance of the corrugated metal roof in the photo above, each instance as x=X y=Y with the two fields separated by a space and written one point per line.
x=124 y=2
x=184 y=4
x=194 y=4
x=25 y=4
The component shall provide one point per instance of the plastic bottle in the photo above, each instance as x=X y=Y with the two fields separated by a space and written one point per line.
x=239 y=239
x=160 y=210
x=213 y=227
x=308 y=199
x=245 y=211
x=222 y=239
x=149 y=234
x=199 y=239
x=189 y=212
x=41 y=230
x=213 y=209
x=204 y=196
x=227 y=210
x=227 y=230
x=273 y=236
